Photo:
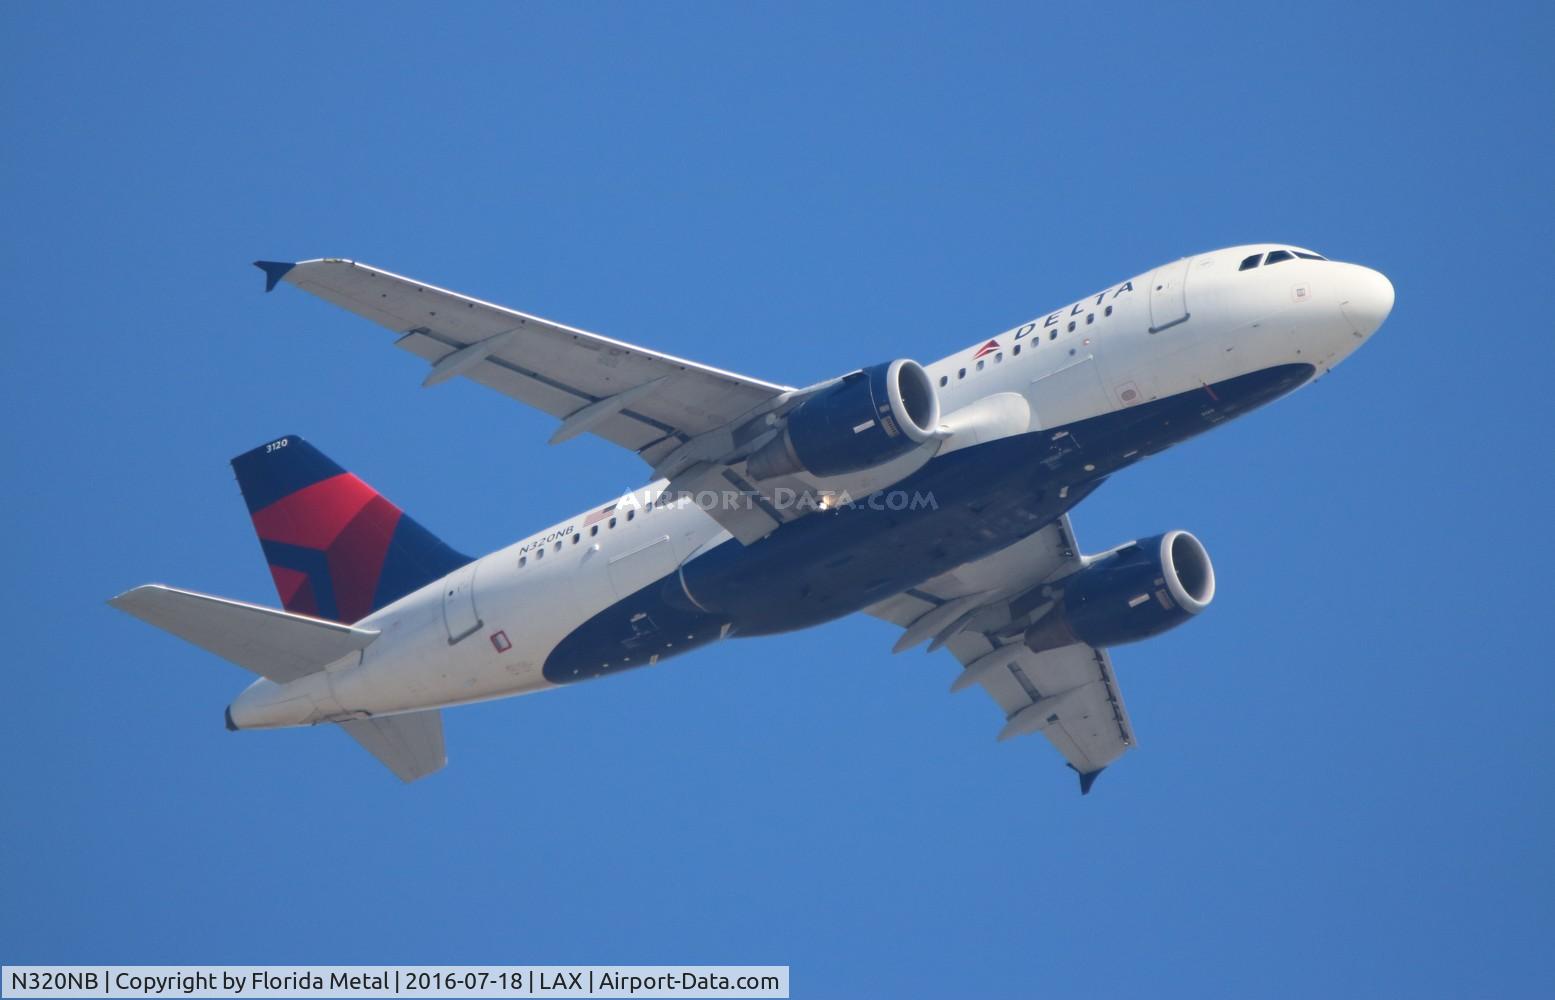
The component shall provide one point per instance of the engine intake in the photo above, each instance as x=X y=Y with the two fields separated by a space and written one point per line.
x=868 y=418
x=1133 y=593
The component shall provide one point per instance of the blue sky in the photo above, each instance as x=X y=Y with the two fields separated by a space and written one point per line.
x=1344 y=782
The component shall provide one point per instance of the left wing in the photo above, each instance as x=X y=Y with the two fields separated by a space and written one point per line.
x=1070 y=694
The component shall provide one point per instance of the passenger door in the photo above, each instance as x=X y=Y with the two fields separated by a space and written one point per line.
x=1169 y=295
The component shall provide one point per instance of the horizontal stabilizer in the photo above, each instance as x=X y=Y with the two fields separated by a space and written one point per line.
x=275 y=644
x=409 y=745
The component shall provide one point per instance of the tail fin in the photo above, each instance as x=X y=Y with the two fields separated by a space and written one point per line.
x=336 y=548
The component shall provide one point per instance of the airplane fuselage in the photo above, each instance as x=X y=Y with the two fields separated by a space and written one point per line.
x=1108 y=380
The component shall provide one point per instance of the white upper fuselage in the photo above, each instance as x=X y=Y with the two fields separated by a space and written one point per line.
x=1190 y=324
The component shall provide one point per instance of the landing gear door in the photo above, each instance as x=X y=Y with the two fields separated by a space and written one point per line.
x=459 y=603
x=1169 y=295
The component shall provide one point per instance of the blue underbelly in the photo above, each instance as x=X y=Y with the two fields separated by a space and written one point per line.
x=956 y=509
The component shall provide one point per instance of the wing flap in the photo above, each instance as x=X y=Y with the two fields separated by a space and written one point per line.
x=530 y=387
x=275 y=644
x=410 y=745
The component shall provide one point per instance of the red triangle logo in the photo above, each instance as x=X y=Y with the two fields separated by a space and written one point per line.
x=988 y=348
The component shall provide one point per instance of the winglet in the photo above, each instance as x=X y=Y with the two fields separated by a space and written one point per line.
x=1087 y=778
x=274 y=270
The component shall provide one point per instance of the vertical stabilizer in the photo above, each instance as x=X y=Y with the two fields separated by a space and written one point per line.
x=336 y=548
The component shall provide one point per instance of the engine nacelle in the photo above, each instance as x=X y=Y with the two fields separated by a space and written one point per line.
x=1136 y=592
x=866 y=419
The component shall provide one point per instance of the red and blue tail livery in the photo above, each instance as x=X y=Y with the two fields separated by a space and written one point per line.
x=336 y=548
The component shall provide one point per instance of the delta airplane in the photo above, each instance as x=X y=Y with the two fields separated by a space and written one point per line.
x=935 y=497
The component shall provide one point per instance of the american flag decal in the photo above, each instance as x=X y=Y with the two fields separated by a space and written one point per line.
x=598 y=515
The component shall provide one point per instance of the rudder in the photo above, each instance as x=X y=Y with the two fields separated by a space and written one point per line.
x=337 y=548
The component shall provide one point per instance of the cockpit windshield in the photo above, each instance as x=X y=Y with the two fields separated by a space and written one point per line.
x=1276 y=256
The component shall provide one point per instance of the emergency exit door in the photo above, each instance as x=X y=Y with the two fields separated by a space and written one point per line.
x=1169 y=295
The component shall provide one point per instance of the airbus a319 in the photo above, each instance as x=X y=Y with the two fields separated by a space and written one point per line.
x=935 y=497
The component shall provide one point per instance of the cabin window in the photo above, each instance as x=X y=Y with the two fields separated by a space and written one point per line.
x=558 y=545
x=961 y=373
x=1015 y=351
x=1090 y=318
x=1276 y=256
x=594 y=531
x=612 y=522
x=1251 y=262
x=539 y=553
x=1071 y=326
x=998 y=357
x=980 y=365
x=1053 y=334
x=631 y=514
x=944 y=380
x=576 y=539
x=523 y=561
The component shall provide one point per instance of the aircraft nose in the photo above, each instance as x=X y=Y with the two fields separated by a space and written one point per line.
x=1366 y=297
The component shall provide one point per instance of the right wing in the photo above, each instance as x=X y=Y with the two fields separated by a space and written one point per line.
x=693 y=424
x=410 y=745
x=645 y=401
x=980 y=612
